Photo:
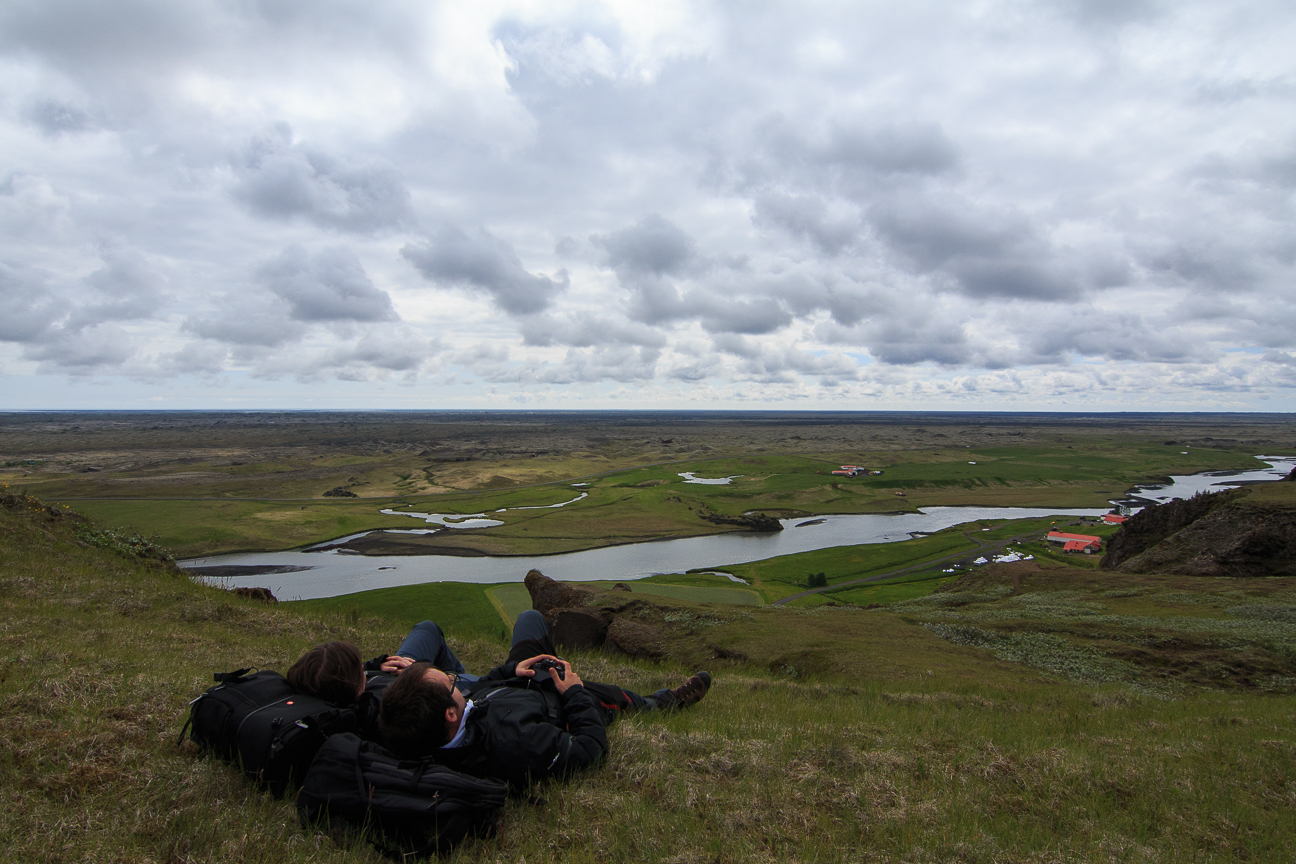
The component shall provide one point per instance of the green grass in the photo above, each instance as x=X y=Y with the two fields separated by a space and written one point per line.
x=896 y=590
x=461 y=608
x=787 y=574
x=514 y=597
x=623 y=505
x=844 y=735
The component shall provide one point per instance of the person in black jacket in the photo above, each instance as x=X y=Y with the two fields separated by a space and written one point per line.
x=334 y=672
x=512 y=723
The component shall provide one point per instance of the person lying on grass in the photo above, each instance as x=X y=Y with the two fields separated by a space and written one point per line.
x=530 y=718
x=439 y=696
x=334 y=672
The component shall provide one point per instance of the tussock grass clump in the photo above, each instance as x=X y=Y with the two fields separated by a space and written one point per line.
x=913 y=750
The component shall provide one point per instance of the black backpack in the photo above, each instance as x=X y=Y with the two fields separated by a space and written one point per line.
x=403 y=807
x=259 y=722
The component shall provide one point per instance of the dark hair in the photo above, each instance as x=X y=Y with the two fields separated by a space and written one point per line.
x=332 y=671
x=412 y=715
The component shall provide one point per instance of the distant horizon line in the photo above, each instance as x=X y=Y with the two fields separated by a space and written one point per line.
x=698 y=411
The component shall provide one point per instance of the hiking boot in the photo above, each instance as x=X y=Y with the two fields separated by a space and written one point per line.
x=691 y=691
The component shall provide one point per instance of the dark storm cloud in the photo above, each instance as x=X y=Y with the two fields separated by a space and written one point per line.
x=482 y=262
x=327 y=285
x=279 y=179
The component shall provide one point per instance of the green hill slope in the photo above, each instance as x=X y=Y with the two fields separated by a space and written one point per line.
x=892 y=745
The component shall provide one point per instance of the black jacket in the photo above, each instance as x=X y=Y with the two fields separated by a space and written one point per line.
x=521 y=732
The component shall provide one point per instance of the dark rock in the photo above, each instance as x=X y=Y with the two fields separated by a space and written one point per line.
x=549 y=596
x=634 y=638
x=574 y=629
x=1220 y=534
x=753 y=521
x=620 y=586
x=262 y=594
x=340 y=492
x=722 y=653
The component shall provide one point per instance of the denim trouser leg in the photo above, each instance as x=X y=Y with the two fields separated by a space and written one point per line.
x=427 y=642
x=530 y=625
x=530 y=637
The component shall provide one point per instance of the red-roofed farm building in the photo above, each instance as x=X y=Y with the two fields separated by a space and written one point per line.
x=1085 y=543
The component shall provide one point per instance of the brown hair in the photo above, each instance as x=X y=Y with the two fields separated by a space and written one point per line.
x=412 y=716
x=332 y=671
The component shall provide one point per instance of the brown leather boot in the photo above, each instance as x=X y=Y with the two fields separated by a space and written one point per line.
x=691 y=691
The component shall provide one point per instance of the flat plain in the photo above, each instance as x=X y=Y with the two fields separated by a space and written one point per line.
x=207 y=483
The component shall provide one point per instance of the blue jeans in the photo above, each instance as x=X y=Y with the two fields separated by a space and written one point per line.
x=426 y=643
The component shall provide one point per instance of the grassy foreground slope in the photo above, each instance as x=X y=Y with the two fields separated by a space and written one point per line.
x=911 y=749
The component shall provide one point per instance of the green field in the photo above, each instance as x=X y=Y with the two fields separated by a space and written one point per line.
x=461 y=608
x=1064 y=715
x=201 y=503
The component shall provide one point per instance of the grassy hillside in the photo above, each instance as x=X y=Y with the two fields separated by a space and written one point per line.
x=845 y=735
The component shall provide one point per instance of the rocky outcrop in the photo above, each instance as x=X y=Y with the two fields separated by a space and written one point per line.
x=583 y=617
x=1153 y=524
x=1220 y=534
x=635 y=638
x=265 y=595
x=751 y=521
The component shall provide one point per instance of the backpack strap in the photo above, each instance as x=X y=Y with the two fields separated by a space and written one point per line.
x=220 y=677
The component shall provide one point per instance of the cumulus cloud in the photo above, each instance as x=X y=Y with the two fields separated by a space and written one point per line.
x=327 y=285
x=652 y=247
x=706 y=204
x=807 y=217
x=295 y=290
x=280 y=179
x=27 y=313
x=484 y=263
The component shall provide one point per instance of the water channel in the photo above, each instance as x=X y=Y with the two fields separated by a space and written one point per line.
x=327 y=573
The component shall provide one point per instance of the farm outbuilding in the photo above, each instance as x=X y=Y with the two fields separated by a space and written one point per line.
x=1086 y=543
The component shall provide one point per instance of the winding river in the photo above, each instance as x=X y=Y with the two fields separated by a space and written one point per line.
x=327 y=573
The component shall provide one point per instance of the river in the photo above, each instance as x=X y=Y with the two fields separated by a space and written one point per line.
x=330 y=573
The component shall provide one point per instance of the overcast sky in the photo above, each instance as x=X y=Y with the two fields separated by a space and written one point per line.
x=1070 y=205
